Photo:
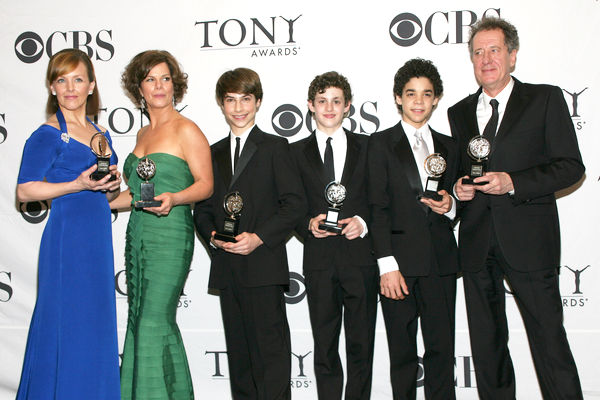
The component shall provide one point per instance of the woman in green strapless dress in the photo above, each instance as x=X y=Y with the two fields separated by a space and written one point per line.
x=160 y=239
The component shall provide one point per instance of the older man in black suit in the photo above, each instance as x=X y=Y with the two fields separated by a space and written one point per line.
x=509 y=222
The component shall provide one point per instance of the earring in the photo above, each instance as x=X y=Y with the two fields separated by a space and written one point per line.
x=173 y=98
x=143 y=104
x=90 y=93
x=53 y=93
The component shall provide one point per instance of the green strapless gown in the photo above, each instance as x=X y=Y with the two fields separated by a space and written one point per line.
x=158 y=254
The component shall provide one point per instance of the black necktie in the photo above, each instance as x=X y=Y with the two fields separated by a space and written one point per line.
x=490 y=129
x=328 y=162
x=236 y=156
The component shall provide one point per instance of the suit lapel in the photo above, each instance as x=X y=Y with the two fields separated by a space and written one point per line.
x=514 y=108
x=248 y=151
x=352 y=153
x=311 y=152
x=471 y=114
x=222 y=156
x=406 y=159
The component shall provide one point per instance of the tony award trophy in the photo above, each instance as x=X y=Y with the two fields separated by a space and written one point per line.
x=478 y=149
x=335 y=194
x=100 y=147
x=146 y=170
x=435 y=166
x=232 y=204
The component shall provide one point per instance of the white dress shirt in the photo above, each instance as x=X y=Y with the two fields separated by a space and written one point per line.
x=243 y=137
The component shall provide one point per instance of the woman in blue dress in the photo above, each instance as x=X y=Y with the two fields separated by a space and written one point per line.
x=72 y=350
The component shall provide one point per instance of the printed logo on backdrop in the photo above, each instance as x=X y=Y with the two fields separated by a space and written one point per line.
x=287 y=119
x=3 y=131
x=573 y=102
x=441 y=27
x=30 y=46
x=127 y=120
x=34 y=212
x=300 y=365
x=297 y=290
x=299 y=379
x=573 y=286
x=260 y=36
x=121 y=289
x=6 y=290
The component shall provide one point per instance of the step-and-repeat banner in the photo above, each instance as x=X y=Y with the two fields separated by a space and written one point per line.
x=288 y=43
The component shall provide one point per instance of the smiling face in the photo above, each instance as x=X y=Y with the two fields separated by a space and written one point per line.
x=329 y=109
x=418 y=101
x=72 y=89
x=240 y=111
x=492 y=62
x=157 y=87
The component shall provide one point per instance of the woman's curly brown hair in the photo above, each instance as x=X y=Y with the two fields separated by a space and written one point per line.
x=139 y=67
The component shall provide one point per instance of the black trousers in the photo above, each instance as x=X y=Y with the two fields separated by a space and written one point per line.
x=258 y=342
x=351 y=292
x=538 y=298
x=432 y=299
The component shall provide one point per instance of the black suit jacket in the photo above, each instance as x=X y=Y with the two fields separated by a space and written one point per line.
x=324 y=252
x=401 y=225
x=536 y=144
x=273 y=203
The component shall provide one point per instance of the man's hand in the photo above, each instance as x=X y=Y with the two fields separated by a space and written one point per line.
x=246 y=243
x=393 y=285
x=353 y=228
x=498 y=183
x=439 y=207
x=313 y=227
x=464 y=192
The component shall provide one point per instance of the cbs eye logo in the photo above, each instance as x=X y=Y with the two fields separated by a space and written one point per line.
x=34 y=212
x=287 y=120
x=297 y=291
x=29 y=46
x=406 y=29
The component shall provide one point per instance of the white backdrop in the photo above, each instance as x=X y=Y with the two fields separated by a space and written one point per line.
x=288 y=43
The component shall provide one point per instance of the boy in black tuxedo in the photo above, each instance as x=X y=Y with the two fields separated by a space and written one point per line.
x=413 y=236
x=339 y=268
x=251 y=271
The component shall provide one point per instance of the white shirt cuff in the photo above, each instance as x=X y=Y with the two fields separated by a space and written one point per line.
x=364 y=225
x=452 y=213
x=387 y=264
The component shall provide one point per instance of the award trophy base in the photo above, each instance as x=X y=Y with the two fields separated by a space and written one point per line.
x=431 y=188
x=147 y=196
x=476 y=172
x=102 y=170
x=469 y=181
x=428 y=194
x=331 y=221
x=230 y=230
